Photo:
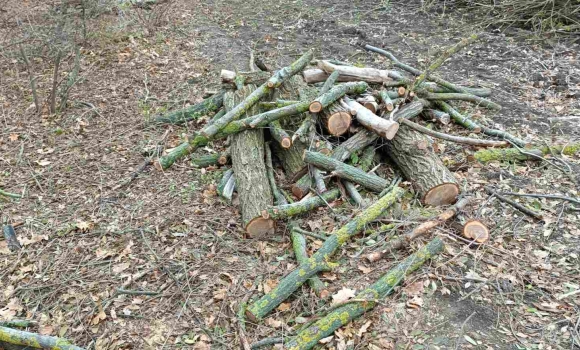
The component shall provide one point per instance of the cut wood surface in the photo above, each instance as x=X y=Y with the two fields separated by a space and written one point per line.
x=319 y=261
x=248 y=163
x=414 y=155
x=476 y=230
x=336 y=119
x=345 y=171
x=383 y=127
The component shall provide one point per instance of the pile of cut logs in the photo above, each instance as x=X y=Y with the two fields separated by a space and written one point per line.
x=301 y=138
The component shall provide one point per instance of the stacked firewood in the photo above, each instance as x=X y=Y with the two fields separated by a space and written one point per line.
x=309 y=123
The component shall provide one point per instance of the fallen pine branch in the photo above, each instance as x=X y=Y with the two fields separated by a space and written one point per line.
x=33 y=340
x=452 y=138
x=364 y=301
x=319 y=261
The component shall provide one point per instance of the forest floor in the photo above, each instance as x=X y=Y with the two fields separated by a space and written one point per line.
x=84 y=237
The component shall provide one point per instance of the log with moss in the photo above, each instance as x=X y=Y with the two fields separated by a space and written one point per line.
x=289 y=210
x=345 y=171
x=421 y=230
x=364 y=301
x=204 y=161
x=415 y=157
x=299 y=246
x=452 y=138
x=280 y=135
x=209 y=105
x=335 y=93
x=383 y=127
x=33 y=340
x=256 y=78
x=320 y=261
x=534 y=153
x=248 y=163
x=335 y=119
x=386 y=100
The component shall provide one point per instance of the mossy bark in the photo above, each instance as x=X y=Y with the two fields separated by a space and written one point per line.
x=299 y=246
x=513 y=154
x=415 y=157
x=364 y=301
x=437 y=115
x=289 y=210
x=320 y=261
x=279 y=198
x=345 y=171
x=210 y=104
x=211 y=159
x=33 y=340
x=256 y=78
x=248 y=163
x=449 y=96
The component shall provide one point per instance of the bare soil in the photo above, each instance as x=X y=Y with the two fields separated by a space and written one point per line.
x=84 y=237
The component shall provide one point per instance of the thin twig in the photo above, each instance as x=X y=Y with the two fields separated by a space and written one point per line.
x=514 y=204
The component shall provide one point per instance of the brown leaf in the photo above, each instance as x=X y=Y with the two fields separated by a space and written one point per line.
x=45 y=330
x=365 y=270
x=364 y=328
x=342 y=295
x=13 y=137
x=274 y=323
x=284 y=307
x=120 y=267
x=415 y=288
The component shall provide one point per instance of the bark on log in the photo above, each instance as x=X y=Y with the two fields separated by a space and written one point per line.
x=319 y=261
x=422 y=229
x=336 y=119
x=345 y=171
x=414 y=155
x=227 y=186
x=33 y=340
x=279 y=198
x=383 y=127
x=247 y=152
x=453 y=138
x=257 y=77
x=211 y=159
x=370 y=75
x=289 y=210
x=369 y=102
x=476 y=231
x=437 y=115
x=409 y=111
x=364 y=301
x=224 y=180
x=335 y=93
x=299 y=245
x=514 y=154
x=280 y=135
x=386 y=100
x=210 y=104
x=353 y=193
x=318 y=180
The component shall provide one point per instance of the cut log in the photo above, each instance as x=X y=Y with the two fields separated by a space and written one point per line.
x=476 y=231
x=364 y=301
x=210 y=104
x=227 y=185
x=386 y=100
x=370 y=75
x=437 y=115
x=335 y=93
x=345 y=171
x=257 y=77
x=247 y=152
x=336 y=119
x=514 y=154
x=369 y=103
x=414 y=155
x=211 y=159
x=421 y=230
x=409 y=111
x=297 y=208
x=299 y=246
x=280 y=135
x=33 y=340
x=401 y=91
x=383 y=127
x=320 y=261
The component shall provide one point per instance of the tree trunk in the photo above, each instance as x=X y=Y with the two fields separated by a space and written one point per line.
x=319 y=261
x=414 y=155
x=364 y=301
x=247 y=152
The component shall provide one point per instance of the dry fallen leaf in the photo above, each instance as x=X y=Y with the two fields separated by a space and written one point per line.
x=364 y=329
x=364 y=269
x=415 y=288
x=99 y=317
x=415 y=303
x=43 y=162
x=13 y=137
x=120 y=268
x=342 y=295
x=326 y=340
x=24 y=241
x=274 y=323
x=45 y=330
x=284 y=307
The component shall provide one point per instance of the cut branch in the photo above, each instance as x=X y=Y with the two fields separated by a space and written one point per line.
x=335 y=93
x=320 y=261
x=364 y=301
x=514 y=154
x=370 y=75
x=383 y=127
x=297 y=208
x=33 y=340
x=449 y=96
x=452 y=138
x=210 y=104
x=299 y=245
